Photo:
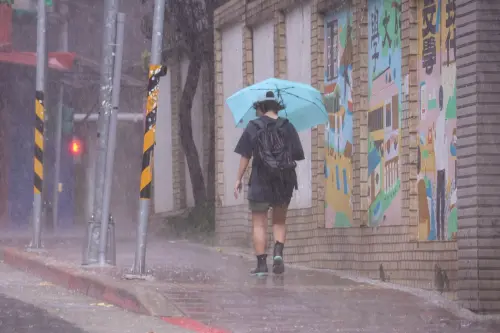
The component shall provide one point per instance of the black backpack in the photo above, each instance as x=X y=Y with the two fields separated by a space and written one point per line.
x=273 y=152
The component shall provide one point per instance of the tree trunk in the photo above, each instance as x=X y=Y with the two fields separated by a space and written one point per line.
x=186 y=132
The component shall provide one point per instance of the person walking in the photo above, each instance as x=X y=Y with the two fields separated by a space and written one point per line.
x=274 y=144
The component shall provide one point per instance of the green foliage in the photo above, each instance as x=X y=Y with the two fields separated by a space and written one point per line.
x=196 y=224
x=145 y=57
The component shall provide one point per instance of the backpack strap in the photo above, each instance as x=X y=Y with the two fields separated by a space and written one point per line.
x=259 y=123
x=281 y=122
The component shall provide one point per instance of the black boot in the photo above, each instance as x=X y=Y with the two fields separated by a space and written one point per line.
x=261 y=269
x=278 y=263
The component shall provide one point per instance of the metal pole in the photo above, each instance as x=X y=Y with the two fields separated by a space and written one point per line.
x=110 y=9
x=110 y=155
x=155 y=72
x=63 y=45
x=36 y=242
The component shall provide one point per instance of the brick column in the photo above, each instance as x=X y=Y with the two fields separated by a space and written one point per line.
x=279 y=45
x=207 y=120
x=178 y=168
x=478 y=156
x=248 y=80
x=318 y=134
x=247 y=56
x=410 y=116
x=360 y=110
x=219 y=122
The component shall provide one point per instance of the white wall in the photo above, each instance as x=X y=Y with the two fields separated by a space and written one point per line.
x=263 y=51
x=162 y=171
x=232 y=81
x=197 y=126
x=298 y=46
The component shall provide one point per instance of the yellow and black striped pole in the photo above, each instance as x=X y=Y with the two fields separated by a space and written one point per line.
x=155 y=72
x=38 y=169
x=39 y=132
x=41 y=63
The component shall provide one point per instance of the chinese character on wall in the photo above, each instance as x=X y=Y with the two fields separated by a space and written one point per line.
x=429 y=35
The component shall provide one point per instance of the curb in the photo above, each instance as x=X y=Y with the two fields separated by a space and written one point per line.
x=192 y=325
x=121 y=294
x=125 y=295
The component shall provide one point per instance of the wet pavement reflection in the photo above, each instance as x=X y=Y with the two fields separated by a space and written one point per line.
x=213 y=286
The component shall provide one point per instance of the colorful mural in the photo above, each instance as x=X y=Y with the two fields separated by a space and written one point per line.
x=384 y=121
x=437 y=194
x=339 y=134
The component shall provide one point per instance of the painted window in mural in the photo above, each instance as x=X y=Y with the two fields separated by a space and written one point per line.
x=437 y=194
x=338 y=98
x=384 y=136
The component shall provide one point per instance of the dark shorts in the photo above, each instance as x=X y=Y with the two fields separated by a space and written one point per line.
x=257 y=206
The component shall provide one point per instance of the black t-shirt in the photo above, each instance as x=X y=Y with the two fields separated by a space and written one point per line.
x=258 y=189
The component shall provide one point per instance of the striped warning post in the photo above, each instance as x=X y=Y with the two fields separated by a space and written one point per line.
x=39 y=129
x=155 y=72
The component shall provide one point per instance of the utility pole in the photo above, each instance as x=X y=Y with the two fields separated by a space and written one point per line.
x=110 y=11
x=63 y=46
x=156 y=70
x=41 y=62
x=110 y=155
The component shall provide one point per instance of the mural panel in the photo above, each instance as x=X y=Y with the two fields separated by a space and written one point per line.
x=339 y=134
x=384 y=121
x=437 y=194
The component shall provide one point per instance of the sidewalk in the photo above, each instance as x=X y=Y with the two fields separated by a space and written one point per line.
x=203 y=288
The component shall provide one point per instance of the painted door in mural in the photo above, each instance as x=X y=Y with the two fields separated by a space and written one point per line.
x=339 y=134
x=437 y=194
x=384 y=120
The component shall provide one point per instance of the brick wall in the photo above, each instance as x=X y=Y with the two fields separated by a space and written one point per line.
x=478 y=47
x=392 y=252
x=231 y=221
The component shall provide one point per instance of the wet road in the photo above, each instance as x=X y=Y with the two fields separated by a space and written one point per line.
x=30 y=305
x=20 y=317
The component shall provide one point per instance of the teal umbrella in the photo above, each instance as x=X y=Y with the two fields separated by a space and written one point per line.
x=303 y=105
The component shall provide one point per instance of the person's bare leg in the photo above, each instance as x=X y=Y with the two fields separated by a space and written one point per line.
x=259 y=223
x=279 y=232
x=279 y=227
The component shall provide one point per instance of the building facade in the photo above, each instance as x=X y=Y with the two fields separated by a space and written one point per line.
x=401 y=184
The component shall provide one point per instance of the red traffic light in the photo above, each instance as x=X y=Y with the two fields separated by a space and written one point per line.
x=75 y=146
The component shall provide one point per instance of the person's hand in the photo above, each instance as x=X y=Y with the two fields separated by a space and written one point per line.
x=237 y=188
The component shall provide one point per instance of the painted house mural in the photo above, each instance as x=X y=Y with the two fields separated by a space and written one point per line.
x=437 y=194
x=339 y=131
x=384 y=121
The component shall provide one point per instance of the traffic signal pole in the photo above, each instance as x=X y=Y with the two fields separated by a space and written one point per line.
x=156 y=70
x=63 y=45
x=110 y=155
x=109 y=36
x=36 y=241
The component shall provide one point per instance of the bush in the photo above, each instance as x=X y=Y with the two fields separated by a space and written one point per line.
x=197 y=224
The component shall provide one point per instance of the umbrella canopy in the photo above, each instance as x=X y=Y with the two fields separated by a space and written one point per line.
x=303 y=104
